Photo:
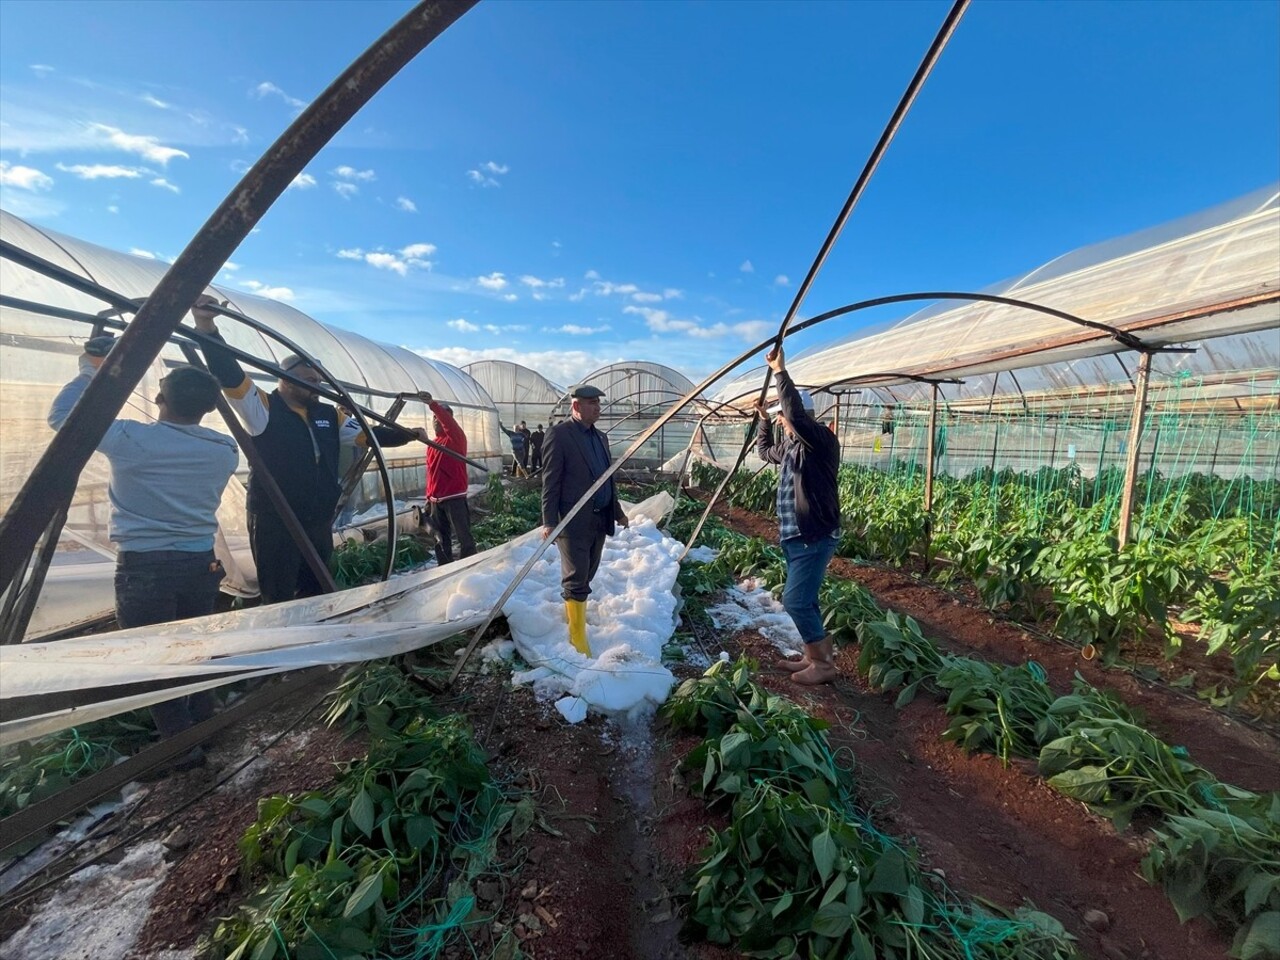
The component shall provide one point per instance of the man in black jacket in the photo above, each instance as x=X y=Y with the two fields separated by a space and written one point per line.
x=575 y=455
x=298 y=440
x=808 y=458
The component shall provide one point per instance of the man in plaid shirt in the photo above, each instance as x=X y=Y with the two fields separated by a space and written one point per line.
x=808 y=458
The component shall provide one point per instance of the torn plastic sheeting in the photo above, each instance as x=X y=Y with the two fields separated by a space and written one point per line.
x=30 y=728
x=285 y=647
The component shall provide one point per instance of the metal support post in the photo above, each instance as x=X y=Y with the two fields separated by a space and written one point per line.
x=24 y=590
x=930 y=442
x=356 y=471
x=1133 y=455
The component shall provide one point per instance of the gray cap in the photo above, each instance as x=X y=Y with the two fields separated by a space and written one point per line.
x=585 y=391
x=293 y=360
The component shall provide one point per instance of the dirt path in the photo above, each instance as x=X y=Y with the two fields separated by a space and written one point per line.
x=996 y=833
x=1232 y=751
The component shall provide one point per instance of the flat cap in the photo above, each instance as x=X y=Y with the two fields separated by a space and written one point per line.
x=585 y=391
x=293 y=360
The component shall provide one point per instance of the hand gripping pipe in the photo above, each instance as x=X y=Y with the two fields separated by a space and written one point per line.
x=899 y=114
x=52 y=483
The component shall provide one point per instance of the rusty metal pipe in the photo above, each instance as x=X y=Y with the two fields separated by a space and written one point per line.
x=53 y=481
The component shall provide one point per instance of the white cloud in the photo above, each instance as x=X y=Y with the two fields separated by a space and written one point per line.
x=660 y=321
x=537 y=283
x=148 y=148
x=579 y=296
x=476 y=177
x=647 y=297
x=747 y=267
x=239 y=134
x=103 y=171
x=487 y=173
x=146 y=254
x=407 y=205
x=387 y=261
x=113 y=209
x=495 y=329
x=418 y=251
x=351 y=173
x=399 y=262
x=577 y=330
x=671 y=293
x=607 y=288
x=154 y=101
x=498 y=168
x=164 y=184
x=239 y=166
x=559 y=366
x=345 y=190
x=510 y=297
x=591 y=275
x=494 y=281
x=782 y=280
x=272 y=293
x=303 y=181
x=230 y=267
x=41 y=69
x=269 y=89
x=465 y=326
x=24 y=178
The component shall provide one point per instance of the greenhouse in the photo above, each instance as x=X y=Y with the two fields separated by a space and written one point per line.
x=636 y=394
x=1186 y=314
x=517 y=392
x=40 y=355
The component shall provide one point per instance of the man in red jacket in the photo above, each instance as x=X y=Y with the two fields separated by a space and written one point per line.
x=447 y=484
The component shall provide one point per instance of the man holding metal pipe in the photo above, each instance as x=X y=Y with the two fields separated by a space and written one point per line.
x=299 y=439
x=575 y=455
x=167 y=480
x=808 y=459
x=447 y=483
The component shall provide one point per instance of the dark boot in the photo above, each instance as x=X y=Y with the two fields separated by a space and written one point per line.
x=822 y=664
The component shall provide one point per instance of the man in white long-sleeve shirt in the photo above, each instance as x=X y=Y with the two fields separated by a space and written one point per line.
x=166 y=483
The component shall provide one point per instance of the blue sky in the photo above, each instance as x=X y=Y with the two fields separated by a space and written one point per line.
x=570 y=184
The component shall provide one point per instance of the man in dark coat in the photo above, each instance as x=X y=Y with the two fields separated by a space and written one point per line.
x=535 y=448
x=575 y=455
x=808 y=459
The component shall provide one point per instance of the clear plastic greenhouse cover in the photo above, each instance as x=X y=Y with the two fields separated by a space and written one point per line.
x=40 y=355
x=1210 y=281
x=517 y=392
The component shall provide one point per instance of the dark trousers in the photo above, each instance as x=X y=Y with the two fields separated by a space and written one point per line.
x=452 y=517
x=522 y=454
x=161 y=585
x=580 y=547
x=282 y=572
x=535 y=462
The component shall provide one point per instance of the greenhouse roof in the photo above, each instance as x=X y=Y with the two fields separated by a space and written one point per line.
x=511 y=383
x=360 y=363
x=1210 y=281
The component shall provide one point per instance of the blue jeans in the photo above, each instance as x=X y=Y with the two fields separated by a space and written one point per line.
x=806 y=566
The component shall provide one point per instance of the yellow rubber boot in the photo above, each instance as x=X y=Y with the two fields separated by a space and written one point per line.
x=576 y=613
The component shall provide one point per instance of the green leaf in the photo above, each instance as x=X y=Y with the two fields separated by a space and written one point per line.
x=890 y=875
x=1088 y=784
x=291 y=856
x=364 y=896
x=1258 y=938
x=522 y=820
x=781 y=906
x=1259 y=890
x=420 y=830
x=266 y=949
x=362 y=812
x=824 y=854
x=832 y=921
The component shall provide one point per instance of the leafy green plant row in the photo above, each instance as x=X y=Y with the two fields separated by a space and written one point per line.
x=355 y=562
x=1025 y=540
x=383 y=861
x=1217 y=849
x=799 y=872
